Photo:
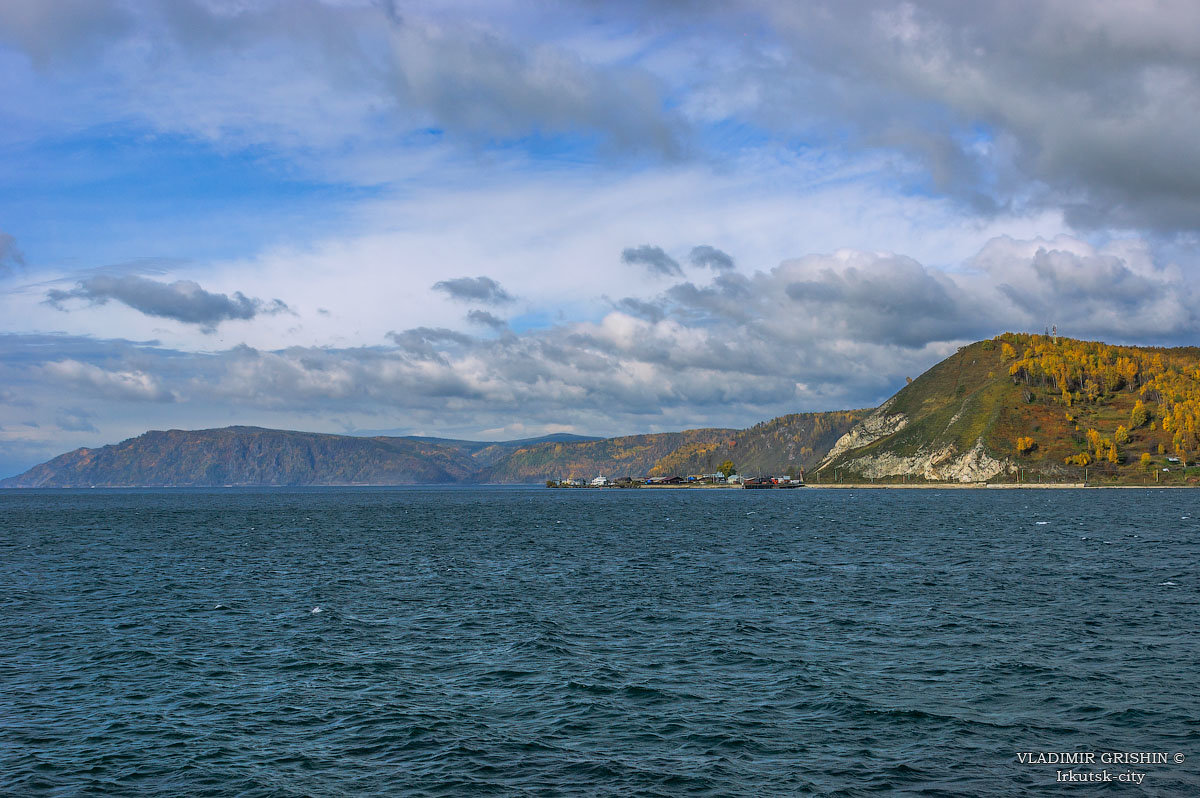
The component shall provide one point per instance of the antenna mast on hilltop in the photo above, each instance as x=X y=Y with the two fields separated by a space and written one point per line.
x=1054 y=332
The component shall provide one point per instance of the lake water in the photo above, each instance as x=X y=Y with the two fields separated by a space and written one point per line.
x=515 y=641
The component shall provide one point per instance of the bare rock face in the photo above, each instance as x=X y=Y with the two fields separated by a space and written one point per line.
x=975 y=465
x=878 y=425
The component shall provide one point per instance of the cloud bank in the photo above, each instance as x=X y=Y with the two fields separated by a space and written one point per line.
x=822 y=331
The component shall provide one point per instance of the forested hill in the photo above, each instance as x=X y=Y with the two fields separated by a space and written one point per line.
x=1035 y=407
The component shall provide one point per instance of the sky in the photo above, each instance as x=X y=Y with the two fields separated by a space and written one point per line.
x=497 y=220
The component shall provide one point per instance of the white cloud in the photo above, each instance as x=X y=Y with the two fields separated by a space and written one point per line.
x=1116 y=291
x=135 y=386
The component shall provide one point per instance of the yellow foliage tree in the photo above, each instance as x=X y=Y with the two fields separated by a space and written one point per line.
x=1139 y=415
x=1165 y=384
x=1025 y=445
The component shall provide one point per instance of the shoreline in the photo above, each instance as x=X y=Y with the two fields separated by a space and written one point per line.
x=992 y=486
x=907 y=486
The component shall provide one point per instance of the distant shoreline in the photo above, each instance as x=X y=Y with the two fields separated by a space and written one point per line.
x=533 y=485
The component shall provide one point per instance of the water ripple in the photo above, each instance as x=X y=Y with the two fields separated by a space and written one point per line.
x=429 y=642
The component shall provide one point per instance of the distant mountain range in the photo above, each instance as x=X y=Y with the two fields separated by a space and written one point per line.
x=256 y=456
x=1032 y=406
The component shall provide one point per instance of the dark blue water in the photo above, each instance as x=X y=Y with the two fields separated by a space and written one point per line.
x=536 y=642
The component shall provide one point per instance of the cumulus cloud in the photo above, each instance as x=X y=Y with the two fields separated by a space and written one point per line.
x=485 y=319
x=135 y=386
x=711 y=257
x=183 y=300
x=1116 y=291
x=474 y=289
x=869 y=297
x=653 y=258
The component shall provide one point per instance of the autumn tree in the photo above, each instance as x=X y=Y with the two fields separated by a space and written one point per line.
x=1139 y=415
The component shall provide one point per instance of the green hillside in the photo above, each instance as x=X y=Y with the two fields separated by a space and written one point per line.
x=1034 y=407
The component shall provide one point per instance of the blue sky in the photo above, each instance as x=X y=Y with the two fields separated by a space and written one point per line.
x=489 y=220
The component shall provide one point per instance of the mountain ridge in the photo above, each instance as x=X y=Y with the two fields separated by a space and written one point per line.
x=252 y=456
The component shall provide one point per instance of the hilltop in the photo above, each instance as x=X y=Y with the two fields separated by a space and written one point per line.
x=1033 y=407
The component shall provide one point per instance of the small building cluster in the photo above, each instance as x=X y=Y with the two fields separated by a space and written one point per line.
x=677 y=481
